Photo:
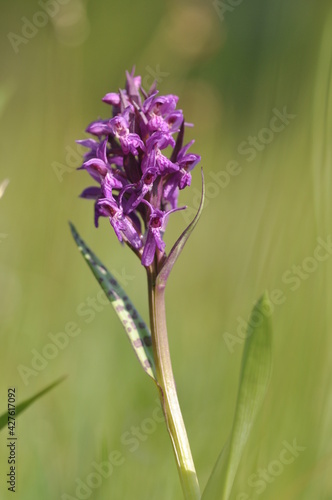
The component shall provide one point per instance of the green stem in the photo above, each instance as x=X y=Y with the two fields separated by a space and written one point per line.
x=167 y=389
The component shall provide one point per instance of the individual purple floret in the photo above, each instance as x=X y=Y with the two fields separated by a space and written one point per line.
x=138 y=183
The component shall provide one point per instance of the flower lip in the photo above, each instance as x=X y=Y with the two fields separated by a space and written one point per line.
x=155 y=221
x=149 y=178
x=157 y=224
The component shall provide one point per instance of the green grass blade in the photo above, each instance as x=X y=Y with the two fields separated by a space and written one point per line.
x=180 y=243
x=137 y=331
x=25 y=404
x=254 y=380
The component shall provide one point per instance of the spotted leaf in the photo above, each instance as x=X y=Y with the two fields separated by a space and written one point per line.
x=137 y=331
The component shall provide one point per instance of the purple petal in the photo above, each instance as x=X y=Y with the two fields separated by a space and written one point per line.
x=158 y=239
x=174 y=121
x=148 y=103
x=99 y=128
x=149 y=249
x=149 y=161
x=184 y=150
x=136 y=222
x=157 y=123
x=91 y=193
x=165 y=165
x=112 y=98
x=132 y=86
x=171 y=190
x=116 y=160
x=160 y=140
x=96 y=166
x=135 y=198
x=108 y=207
x=130 y=143
x=110 y=183
x=102 y=151
x=167 y=103
x=131 y=233
x=185 y=179
x=119 y=125
x=188 y=162
x=88 y=143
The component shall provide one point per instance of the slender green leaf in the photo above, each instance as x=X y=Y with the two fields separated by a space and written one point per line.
x=180 y=243
x=25 y=404
x=137 y=331
x=254 y=381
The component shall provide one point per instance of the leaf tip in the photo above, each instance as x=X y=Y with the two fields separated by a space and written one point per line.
x=72 y=227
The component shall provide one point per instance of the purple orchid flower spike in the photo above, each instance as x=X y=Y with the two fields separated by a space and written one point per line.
x=138 y=184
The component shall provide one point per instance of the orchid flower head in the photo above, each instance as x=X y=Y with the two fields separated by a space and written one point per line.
x=137 y=182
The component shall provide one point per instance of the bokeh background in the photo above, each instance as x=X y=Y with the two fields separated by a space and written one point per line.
x=233 y=64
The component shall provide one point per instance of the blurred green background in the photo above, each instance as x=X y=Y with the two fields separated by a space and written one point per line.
x=233 y=72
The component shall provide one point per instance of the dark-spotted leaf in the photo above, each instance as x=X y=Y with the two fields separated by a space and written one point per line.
x=25 y=404
x=137 y=331
x=254 y=381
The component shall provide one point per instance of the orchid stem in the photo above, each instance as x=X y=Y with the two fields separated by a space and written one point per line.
x=167 y=390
